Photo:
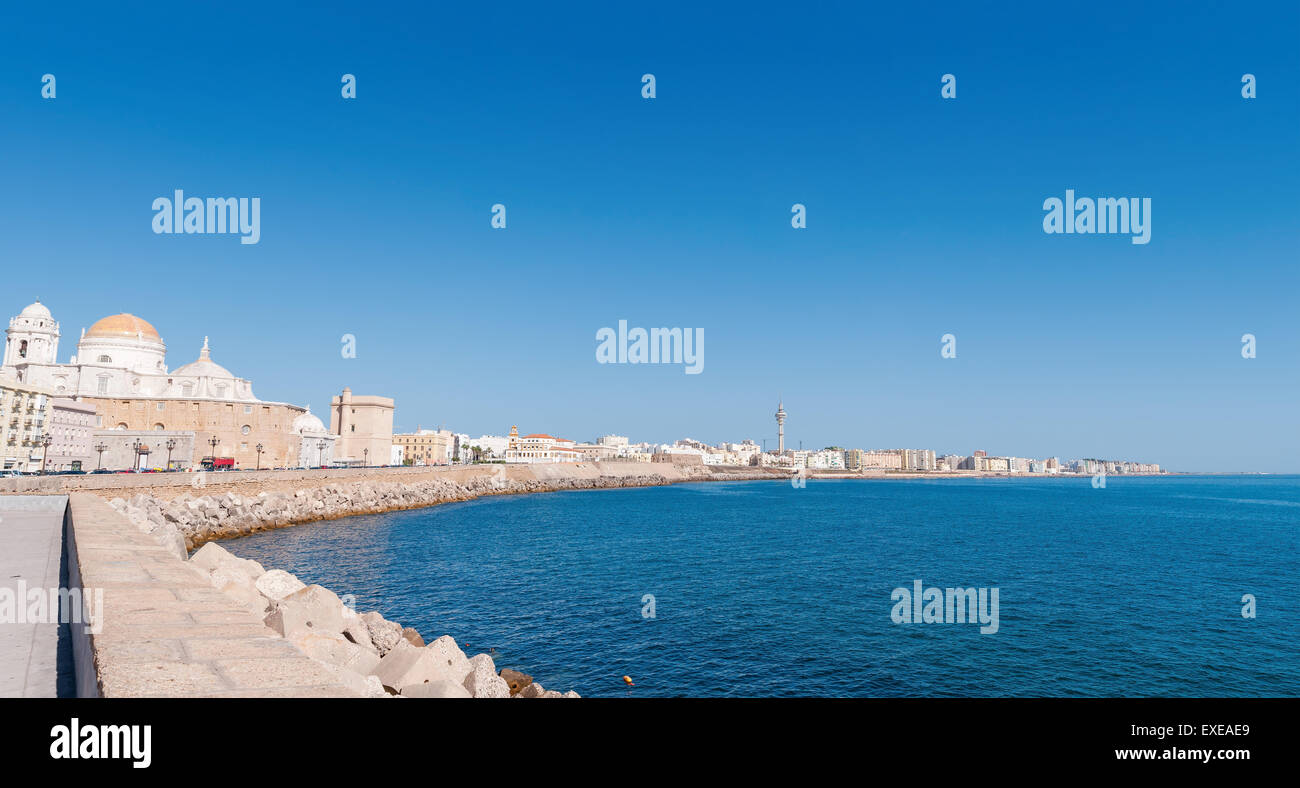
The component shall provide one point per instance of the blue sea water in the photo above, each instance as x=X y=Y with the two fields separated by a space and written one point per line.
x=762 y=589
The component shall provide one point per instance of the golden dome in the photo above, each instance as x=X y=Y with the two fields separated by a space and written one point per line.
x=123 y=325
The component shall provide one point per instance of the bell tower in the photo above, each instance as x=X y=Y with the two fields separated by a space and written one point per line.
x=32 y=337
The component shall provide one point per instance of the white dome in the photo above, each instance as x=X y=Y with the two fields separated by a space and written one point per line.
x=37 y=310
x=204 y=366
x=306 y=422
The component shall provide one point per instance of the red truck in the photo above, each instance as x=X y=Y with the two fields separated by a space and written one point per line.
x=218 y=463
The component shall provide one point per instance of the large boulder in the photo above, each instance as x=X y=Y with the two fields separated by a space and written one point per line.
x=213 y=556
x=413 y=637
x=516 y=680
x=533 y=690
x=406 y=664
x=483 y=681
x=435 y=689
x=450 y=655
x=235 y=583
x=310 y=609
x=356 y=631
x=335 y=650
x=277 y=584
x=384 y=634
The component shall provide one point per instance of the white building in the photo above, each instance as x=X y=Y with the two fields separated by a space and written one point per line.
x=315 y=443
x=119 y=356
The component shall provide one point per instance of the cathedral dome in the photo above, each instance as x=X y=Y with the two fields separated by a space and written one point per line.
x=36 y=310
x=204 y=367
x=122 y=326
x=306 y=422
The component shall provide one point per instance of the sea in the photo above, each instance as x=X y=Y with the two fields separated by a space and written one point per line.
x=1183 y=586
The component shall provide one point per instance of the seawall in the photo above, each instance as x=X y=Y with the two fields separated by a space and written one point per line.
x=185 y=510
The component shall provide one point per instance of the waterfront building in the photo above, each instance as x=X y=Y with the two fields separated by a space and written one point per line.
x=71 y=430
x=425 y=447
x=492 y=447
x=613 y=441
x=364 y=426
x=120 y=368
x=882 y=459
x=917 y=459
x=540 y=448
x=24 y=416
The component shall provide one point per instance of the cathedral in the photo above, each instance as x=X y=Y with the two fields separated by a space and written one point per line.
x=121 y=368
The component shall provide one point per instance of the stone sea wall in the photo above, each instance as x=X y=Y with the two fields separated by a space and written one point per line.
x=354 y=654
x=201 y=513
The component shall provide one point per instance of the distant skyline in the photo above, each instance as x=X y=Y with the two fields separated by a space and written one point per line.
x=924 y=215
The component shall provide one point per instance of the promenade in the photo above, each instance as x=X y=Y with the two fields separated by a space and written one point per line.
x=31 y=549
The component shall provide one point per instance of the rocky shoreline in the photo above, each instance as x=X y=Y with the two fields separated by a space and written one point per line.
x=367 y=654
x=192 y=519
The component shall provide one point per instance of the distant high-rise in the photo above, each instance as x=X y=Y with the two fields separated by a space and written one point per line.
x=780 y=427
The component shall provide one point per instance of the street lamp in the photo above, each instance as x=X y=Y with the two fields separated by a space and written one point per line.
x=101 y=448
x=136 y=446
x=213 y=441
x=171 y=444
x=259 y=456
x=365 y=454
x=320 y=457
x=45 y=441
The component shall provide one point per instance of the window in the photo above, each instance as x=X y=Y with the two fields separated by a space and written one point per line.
x=162 y=406
x=105 y=360
x=187 y=389
x=22 y=349
x=248 y=408
x=158 y=428
x=245 y=429
x=102 y=385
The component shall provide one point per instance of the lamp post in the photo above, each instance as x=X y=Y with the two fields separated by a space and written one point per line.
x=171 y=444
x=365 y=454
x=259 y=456
x=101 y=448
x=320 y=456
x=136 y=447
x=213 y=441
x=45 y=441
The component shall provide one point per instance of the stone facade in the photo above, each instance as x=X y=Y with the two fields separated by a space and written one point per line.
x=120 y=452
x=239 y=427
x=72 y=428
x=364 y=426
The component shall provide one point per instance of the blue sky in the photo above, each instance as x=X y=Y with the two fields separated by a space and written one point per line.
x=924 y=215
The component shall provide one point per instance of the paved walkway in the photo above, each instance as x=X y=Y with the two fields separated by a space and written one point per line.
x=31 y=552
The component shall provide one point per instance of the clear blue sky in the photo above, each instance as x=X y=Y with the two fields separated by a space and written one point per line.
x=924 y=215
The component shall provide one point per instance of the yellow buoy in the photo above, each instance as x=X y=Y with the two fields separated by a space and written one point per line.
x=628 y=681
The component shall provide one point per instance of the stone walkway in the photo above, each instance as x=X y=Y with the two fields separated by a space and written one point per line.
x=166 y=632
x=31 y=549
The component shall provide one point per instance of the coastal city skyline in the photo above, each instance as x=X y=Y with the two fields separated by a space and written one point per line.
x=117 y=393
